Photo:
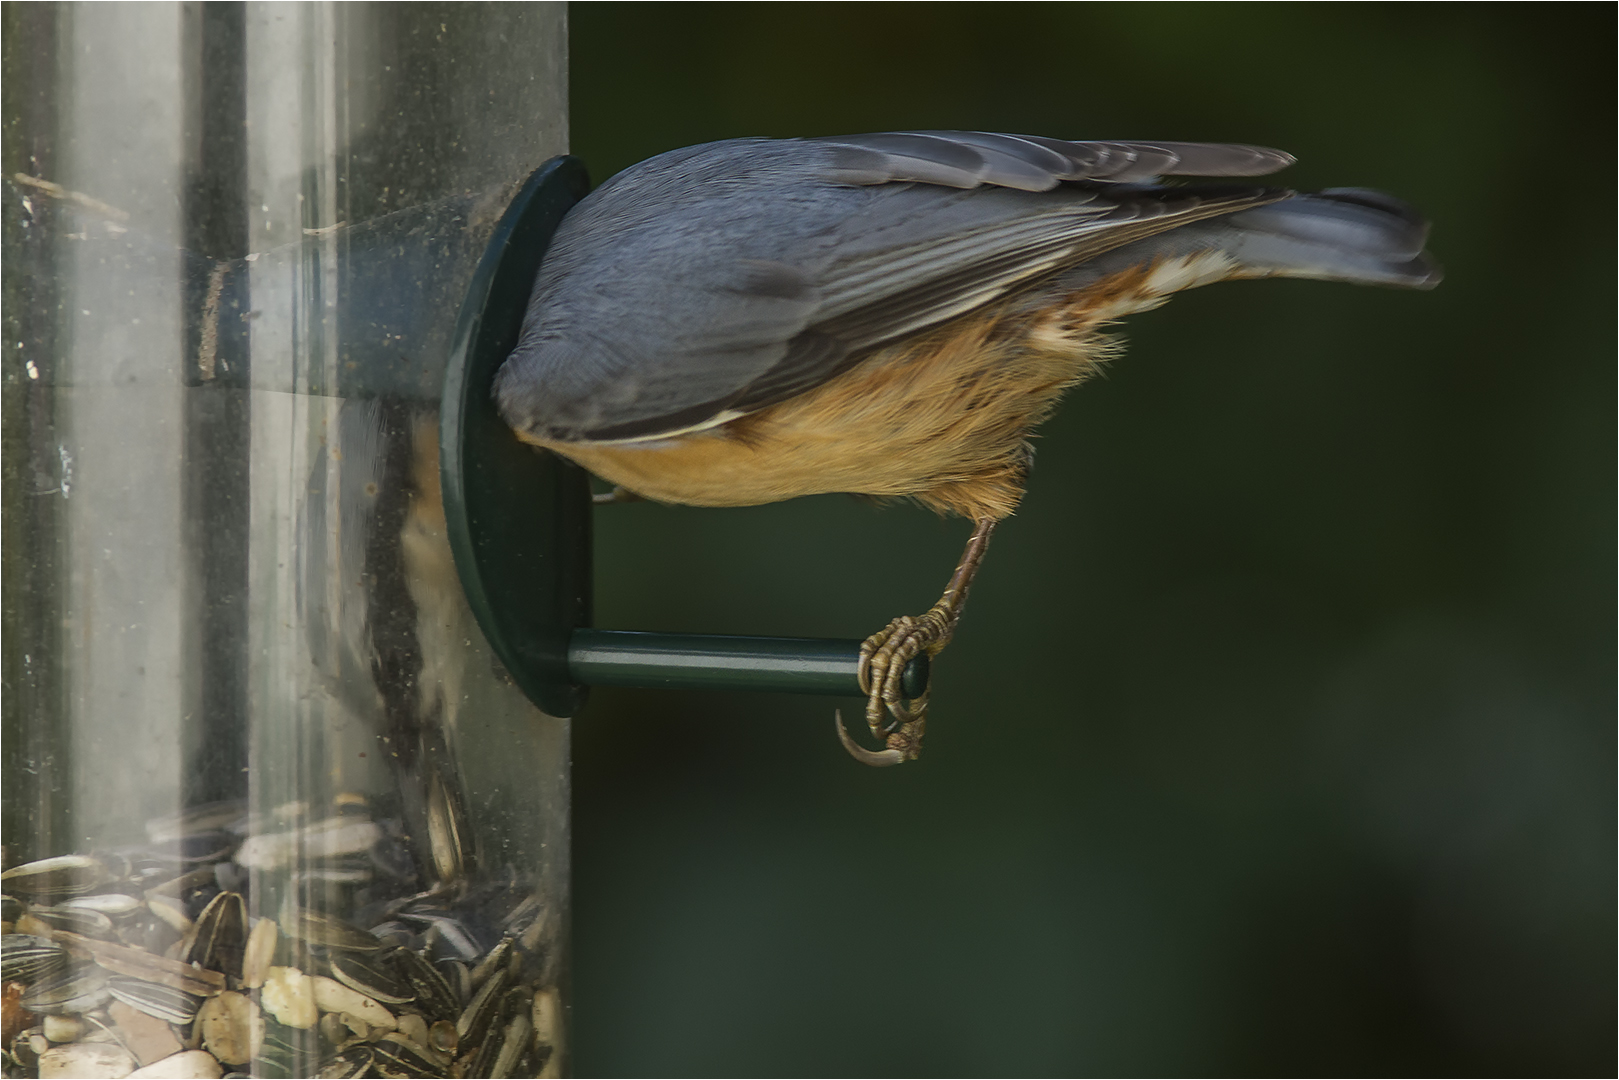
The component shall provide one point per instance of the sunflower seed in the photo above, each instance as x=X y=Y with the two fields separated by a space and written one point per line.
x=524 y=913
x=153 y=999
x=446 y=825
x=354 y=972
x=220 y=936
x=64 y=875
x=475 y=1019
x=547 y=1016
x=455 y=974
x=113 y=905
x=323 y=840
x=515 y=1040
x=208 y=817
x=89 y=923
x=396 y=1056
x=284 y=1052
x=259 y=952
x=481 y=1062
x=354 y=1061
x=432 y=994
x=79 y=988
x=316 y=929
x=137 y=963
x=491 y=962
x=167 y=927
x=441 y=928
x=25 y=958
x=171 y=909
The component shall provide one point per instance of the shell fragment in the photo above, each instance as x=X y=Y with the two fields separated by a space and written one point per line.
x=289 y=996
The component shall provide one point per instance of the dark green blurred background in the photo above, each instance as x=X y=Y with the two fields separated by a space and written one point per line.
x=1278 y=738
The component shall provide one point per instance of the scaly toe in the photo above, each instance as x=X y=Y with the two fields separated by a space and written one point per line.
x=873 y=646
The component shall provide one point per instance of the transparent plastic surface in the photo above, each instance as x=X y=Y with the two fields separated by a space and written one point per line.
x=268 y=797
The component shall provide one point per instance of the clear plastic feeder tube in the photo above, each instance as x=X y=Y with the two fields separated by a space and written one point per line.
x=269 y=800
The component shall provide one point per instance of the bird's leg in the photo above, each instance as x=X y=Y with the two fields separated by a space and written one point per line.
x=883 y=656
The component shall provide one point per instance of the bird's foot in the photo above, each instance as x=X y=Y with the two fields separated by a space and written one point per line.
x=894 y=719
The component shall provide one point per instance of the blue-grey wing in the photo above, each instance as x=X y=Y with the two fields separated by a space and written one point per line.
x=716 y=280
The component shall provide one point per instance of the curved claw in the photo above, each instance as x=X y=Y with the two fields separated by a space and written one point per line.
x=875 y=758
x=902 y=710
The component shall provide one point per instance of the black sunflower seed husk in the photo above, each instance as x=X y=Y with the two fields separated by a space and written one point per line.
x=63 y=875
x=91 y=924
x=355 y=971
x=314 y=928
x=27 y=959
x=433 y=994
x=353 y=1061
x=220 y=936
x=396 y=1058
x=154 y=999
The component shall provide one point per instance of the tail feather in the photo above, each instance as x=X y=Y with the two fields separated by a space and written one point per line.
x=1341 y=234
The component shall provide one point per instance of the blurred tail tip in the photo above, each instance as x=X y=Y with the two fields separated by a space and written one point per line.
x=1342 y=234
x=1425 y=273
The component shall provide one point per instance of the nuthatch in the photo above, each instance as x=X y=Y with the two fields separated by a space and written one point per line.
x=890 y=315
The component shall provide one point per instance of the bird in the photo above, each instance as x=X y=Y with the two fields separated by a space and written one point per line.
x=891 y=315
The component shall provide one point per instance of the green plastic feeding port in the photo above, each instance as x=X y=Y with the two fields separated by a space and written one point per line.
x=519 y=518
x=725 y=662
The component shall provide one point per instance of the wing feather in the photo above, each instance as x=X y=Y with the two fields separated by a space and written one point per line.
x=866 y=318
x=1032 y=163
x=718 y=280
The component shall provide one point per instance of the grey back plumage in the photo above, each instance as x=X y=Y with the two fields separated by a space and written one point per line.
x=716 y=280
